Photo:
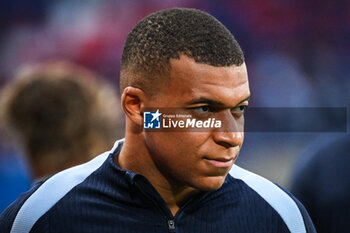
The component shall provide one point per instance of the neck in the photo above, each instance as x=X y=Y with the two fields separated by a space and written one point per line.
x=135 y=157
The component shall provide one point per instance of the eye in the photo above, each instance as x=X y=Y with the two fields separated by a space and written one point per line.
x=243 y=107
x=202 y=109
x=239 y=110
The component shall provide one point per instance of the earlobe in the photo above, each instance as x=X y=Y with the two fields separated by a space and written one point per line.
x=132 y=104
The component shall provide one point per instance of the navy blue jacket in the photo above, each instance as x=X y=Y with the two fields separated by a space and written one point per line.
x=98 y=196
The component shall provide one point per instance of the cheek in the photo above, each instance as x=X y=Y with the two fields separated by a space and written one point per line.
x=241 y=125
x=177 y=148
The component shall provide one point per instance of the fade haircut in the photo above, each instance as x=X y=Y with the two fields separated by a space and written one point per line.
x=169 y=33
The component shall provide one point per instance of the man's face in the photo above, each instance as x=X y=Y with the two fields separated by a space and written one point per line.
x=200 y=159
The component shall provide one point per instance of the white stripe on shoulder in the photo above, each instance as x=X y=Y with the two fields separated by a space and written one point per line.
x=49 y=193
x=276 y=197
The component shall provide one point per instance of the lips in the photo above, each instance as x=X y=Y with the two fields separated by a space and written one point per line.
x=220 y=162
x=221 y=159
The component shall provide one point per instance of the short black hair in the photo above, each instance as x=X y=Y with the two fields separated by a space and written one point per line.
x=169 y=33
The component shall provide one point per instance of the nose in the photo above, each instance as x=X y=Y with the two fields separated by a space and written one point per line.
x=228 y=139
x=231 y=132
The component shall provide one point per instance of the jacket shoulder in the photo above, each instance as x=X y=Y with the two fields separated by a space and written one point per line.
x=8 y=216
x=285 y=204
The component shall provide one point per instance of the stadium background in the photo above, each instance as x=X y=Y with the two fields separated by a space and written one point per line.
x=297 y=54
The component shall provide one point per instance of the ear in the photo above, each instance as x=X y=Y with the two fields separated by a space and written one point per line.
x=132 y=102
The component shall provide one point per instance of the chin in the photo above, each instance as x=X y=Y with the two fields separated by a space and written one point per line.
x=210 y=183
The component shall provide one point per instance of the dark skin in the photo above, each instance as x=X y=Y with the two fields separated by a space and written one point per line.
x=180 y=164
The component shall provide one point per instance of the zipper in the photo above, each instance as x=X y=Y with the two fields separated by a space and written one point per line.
x=171 y=226
x=168 y=218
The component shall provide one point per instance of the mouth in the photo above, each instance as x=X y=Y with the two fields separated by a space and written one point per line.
x=220 y=162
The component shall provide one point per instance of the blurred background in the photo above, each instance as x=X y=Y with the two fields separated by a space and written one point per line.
x=297 y=54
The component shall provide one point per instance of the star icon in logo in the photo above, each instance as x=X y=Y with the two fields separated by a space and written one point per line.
x=156 y=115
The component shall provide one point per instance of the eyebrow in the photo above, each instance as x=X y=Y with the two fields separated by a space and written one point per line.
x=203 y=100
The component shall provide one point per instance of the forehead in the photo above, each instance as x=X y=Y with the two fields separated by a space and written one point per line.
x=191 y=80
